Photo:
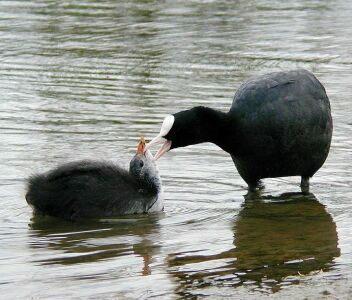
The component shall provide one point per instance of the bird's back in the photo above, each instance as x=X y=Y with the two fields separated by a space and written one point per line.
x=284 y=125
x=84 y=189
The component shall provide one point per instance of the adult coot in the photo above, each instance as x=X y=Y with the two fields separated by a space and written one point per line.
x=279 y=125
x=91 y=189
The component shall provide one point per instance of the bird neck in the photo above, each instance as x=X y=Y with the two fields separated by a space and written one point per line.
x=149 y=184
x=213 y=126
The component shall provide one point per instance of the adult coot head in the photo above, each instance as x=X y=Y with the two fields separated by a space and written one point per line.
x=197 y=125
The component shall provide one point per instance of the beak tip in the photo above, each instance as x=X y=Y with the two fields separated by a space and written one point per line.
x=141 y=146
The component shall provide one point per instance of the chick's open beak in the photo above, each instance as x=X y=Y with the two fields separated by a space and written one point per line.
x=141 y=146
x=163 y=149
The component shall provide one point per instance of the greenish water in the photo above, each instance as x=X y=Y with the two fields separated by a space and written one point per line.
x=84 y=79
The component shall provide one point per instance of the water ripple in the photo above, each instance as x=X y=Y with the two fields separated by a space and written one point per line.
x=84 y=79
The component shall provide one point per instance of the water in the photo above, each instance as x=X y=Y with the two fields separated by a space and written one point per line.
x=84 y=79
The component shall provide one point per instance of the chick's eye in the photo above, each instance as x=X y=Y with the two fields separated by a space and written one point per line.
x=141 y=164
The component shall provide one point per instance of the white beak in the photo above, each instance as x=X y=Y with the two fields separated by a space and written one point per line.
x=163 y=149
x=165 y=129
x=157 y=140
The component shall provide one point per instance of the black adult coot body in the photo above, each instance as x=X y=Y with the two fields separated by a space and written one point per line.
x=279 y=125
x=94 y=189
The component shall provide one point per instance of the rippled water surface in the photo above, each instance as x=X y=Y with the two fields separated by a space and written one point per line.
x=84 y=79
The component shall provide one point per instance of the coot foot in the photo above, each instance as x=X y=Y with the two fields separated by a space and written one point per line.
x=305 y=185
x=253 y=195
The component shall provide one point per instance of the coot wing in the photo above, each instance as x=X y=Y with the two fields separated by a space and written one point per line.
x=294 y=85
x=283 y=120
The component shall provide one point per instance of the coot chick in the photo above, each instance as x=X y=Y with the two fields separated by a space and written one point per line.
x=94 y=189
x=279 y=125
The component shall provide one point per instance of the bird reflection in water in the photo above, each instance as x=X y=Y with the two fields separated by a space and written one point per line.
x=94 y=241
x=276 y=239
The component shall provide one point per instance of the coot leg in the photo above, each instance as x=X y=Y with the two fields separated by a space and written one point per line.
x=305 y=185
x=260 y=185
x=255 y=185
